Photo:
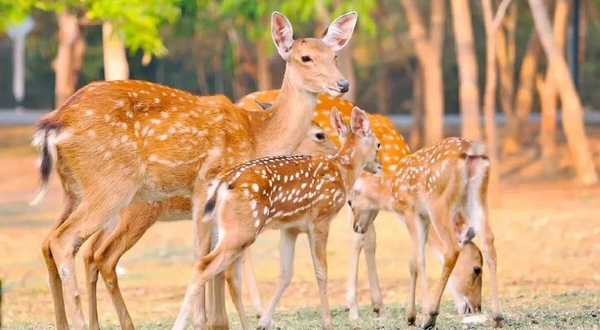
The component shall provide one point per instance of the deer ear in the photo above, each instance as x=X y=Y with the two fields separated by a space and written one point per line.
x=339 y=32
x=282 y=34
x=338 y=124
x=360 y=123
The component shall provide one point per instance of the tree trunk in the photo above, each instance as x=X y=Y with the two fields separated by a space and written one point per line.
x=262 y=66
x=489 y=100
x=114 y=57
x=549 y=94
x=467 y=69
x=239 y=88
x=416 y=130
x=572 y=109
x=69 y=56
x=200 y=66
x=525 y=91
x=428 y=53
x=381 y=77
x=506 y=53
x=346 y=63
x=1 y=303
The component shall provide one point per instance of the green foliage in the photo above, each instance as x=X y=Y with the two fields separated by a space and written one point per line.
x=136 y=21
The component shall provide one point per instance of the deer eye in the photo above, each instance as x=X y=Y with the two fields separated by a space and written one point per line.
x=320 y=136
x=306 y=58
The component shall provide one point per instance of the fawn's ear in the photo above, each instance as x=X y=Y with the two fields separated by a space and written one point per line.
x=263 y=105
x=282 y=34
x=360 y=123
x=338 y=124
x=339 y=32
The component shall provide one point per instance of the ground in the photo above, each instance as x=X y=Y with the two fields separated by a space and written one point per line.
x=547 y=235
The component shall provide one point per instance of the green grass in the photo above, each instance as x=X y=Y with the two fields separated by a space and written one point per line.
x=579 y=310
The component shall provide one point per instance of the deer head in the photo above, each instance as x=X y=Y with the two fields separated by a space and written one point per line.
x=312 y=61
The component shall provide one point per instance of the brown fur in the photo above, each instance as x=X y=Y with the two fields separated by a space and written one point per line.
x=291 y=193
x=131 y=140
x=429 y=187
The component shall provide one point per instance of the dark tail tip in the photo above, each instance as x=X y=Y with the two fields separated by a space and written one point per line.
x=46 y=166
x=209 y=207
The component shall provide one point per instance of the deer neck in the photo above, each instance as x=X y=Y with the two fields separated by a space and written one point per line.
x=280 y=129
x=349 y=165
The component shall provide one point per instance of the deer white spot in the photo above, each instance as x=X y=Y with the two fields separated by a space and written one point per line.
x=257 y=223
x=156 y=100
x=91 y=133
x=255 y=187
x=255 y=214
x=266 y=210
x=107 y=155
x=253 y=205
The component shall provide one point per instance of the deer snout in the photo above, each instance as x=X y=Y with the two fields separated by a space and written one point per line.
x=359 y=229
x=343 y=85
x=374 y=167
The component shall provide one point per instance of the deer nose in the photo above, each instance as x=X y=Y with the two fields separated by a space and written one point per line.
x=343 y=85
x=477 y=270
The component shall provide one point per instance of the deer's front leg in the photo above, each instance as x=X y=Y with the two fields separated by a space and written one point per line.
x=370 y=249
x=356 y=245
x=287 y=246
x=318 y=248
x=252 y=284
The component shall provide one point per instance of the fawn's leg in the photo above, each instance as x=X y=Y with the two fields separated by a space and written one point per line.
x=442 y=223
x=419 y=238
x=287 y=245
x=370 y=244
x=412 y=225
x=202 y=244
x=318 y=248
x=252 y=284
x=54 y=280
x=234 y=281
x=356 y=245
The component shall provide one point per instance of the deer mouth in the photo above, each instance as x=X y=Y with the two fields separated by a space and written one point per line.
x=334 y=92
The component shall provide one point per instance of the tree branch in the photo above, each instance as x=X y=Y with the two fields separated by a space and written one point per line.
x=500 y=14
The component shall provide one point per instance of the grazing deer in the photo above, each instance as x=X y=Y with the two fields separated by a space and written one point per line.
x=123 y=141
x=291 y=193
x=466 y=280
x=431 y=187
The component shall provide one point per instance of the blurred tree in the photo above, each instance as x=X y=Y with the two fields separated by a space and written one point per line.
x=136 y=22
x=548 y=92
x=573 y=123
x=428 y=49
x=467 y=69
x=492 y=24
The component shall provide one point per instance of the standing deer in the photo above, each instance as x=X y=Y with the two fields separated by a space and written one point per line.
x=123 y=141
x=466 y=280
x=431 y=187
x=291 y=193
x=117 y=242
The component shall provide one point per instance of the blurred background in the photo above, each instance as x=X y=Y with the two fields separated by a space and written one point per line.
x=523 y=76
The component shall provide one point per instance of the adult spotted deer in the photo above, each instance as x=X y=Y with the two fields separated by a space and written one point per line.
x=466 y=280
x=291 y=193
x=106 y=247
x=123 y=141
x=431 y=187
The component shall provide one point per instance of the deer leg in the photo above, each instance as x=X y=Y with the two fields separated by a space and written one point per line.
x=91 y=276
x=442 y=223
x=489 y=254
x=370 y=249
x=133 y=223
x=54 y=280
x=287 y=245
x=318 y=249
x=68 y=238
x=419 y=240
x=202 y=242
x=252 y=284
x=356 y=245
x=215 y=262
x=411 y=309
x=233 y=277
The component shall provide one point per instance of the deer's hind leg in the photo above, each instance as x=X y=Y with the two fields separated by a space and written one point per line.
x=133 y=222
x=98 y=207
x=54 y=281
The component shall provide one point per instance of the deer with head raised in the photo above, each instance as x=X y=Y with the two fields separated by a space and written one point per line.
x=123 y=141
x=443 y=186
x=466 y=280
x=291 y=193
